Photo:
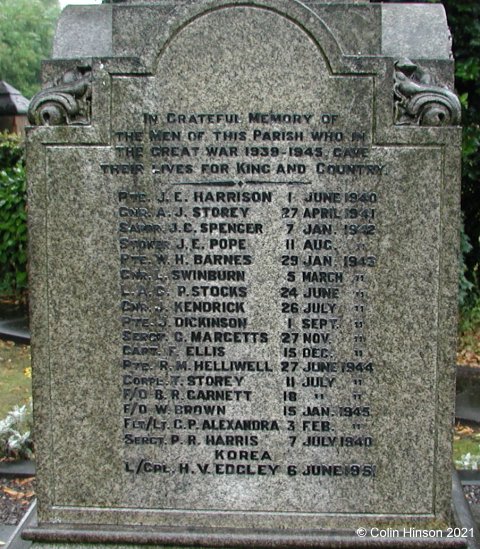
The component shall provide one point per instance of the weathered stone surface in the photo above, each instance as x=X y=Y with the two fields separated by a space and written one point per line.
x=415 y=30
x=86 y=32
x=243 y=275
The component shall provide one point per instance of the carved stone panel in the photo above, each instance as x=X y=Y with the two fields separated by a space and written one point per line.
x=244 y=293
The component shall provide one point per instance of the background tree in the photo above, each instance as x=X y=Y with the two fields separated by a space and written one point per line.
x=27 y=28
x=464 y=20
x=26 y=33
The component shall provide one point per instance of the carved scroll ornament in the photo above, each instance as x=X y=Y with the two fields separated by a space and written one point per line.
x=418 y=101
x=67 y=102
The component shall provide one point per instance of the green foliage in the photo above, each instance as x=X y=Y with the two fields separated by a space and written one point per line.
x=15 y=433
x=468 y=69
x=465 y=286
x=469 y=319
x=464 y=21
x=11 y=151
x=26 y=34
x=468 y=461
x=13 y=225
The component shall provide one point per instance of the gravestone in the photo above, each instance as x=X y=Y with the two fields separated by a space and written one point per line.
x=243 y=226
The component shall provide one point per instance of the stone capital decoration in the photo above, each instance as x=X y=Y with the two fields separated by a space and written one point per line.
x=418 y=101
x=67 y=102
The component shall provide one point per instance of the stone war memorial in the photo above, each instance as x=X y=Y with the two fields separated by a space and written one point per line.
x=243 y=222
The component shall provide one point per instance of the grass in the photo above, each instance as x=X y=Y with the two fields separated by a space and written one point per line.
x=15 y=373
x=466 y=440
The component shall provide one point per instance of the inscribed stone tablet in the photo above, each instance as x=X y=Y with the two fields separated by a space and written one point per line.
x=245 y=271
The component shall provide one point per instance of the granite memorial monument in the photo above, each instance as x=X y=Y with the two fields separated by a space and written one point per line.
x=243 y=221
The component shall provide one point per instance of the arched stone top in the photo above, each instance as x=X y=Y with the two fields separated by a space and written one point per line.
x=296 y=12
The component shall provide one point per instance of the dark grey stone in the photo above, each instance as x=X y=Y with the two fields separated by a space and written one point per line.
x=15 y=329
x=17 y=469
x=15 y=541
x=467 y=404
x=6 y=530
x=463 y=514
